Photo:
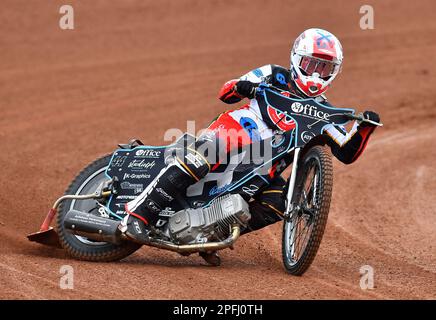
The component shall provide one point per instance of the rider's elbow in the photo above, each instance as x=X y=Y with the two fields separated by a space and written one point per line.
x=230 y=99
x=347 y=159
x=227 y=93
x=346 y=154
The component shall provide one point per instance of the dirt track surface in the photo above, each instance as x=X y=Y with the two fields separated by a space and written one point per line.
x=136 y=68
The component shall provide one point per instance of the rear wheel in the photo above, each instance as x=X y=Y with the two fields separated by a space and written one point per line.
x=304 y=228
x=80 y=247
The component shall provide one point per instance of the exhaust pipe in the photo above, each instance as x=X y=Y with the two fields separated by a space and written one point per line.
x=92 y=227
x=106 y=230
x=199 y=247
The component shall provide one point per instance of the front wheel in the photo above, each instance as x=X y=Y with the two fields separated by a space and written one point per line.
x=304 y=228
x=79 y=247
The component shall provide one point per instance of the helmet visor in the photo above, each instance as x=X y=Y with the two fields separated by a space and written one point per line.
x=310 y=65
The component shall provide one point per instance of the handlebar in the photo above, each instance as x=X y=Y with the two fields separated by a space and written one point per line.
x=358 y=117
x=261 y=86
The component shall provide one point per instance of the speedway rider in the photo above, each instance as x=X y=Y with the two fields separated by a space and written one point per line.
x=315 y=61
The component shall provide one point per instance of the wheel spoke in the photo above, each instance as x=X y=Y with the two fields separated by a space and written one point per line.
x=298 y=240
x=300 y=225
x=304 y=227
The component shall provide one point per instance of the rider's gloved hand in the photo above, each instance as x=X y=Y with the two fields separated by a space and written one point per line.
x=370 y=115
x=246 y=88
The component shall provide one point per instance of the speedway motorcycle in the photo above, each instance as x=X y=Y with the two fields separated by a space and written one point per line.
x=212 y=213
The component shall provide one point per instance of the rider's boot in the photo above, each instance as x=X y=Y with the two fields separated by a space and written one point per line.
x=268 y=207
x=143 y=212
x=211 y=257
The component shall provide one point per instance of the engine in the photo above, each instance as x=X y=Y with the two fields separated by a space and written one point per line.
x=209 y=224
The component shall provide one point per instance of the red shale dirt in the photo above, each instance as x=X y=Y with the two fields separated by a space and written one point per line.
x=135 y=68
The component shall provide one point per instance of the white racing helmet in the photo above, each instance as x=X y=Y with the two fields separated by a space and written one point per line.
x=316 y=59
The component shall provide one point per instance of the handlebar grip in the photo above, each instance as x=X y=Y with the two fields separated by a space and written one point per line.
x=362 y=119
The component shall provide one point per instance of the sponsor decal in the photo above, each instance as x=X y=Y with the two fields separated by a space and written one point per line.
x=141 y=164
x=279 y=118
x=297 y=107
x=258 y=73
x=151 y=205
x=125 y=197
x=310 y=111
x=164 y=195
x=194 y=159
x=324 y=40
x=306 y=136
x=148 y=153
x=136 y=176
x=167 y=212
x=118 y=161
x=281 y=78
x=251 y=189
x=137 y=187
x=217 y=190
x=250 y=126
x=277 y=140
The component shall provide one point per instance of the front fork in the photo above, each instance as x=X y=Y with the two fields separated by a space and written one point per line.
x=291 y=187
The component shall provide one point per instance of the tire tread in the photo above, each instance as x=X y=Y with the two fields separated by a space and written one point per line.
x=84 y=252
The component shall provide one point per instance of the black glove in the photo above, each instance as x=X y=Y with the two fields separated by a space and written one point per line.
x=246 y=88
x=370 y=115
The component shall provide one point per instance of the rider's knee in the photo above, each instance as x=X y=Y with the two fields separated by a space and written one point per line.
x=193 y=161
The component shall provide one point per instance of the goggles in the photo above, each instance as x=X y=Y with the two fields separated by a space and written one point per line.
x=310 y=65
